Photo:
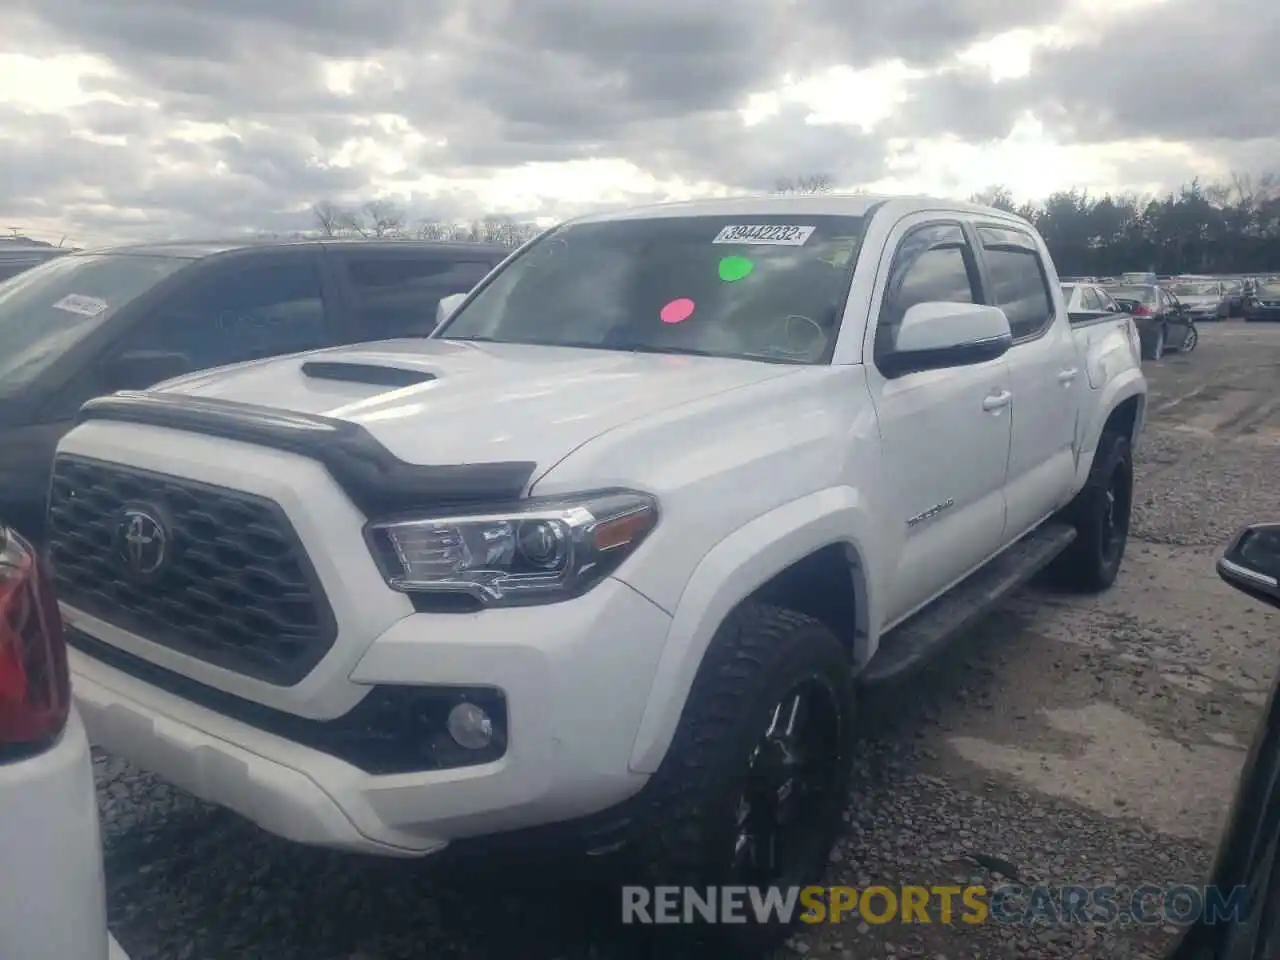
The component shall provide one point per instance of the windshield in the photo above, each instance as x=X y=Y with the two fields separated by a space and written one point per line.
x=1233 y=286
x=47 y=309
x=1208 y=288
x=756 y=287
x=1269 y=288
x=1140 y=294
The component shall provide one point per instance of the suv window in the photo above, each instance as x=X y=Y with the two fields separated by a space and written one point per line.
x=1019 y=285
x=933 y=264
x=397 y=296
x=245 y=313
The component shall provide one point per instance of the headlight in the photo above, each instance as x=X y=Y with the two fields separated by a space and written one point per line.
x=540 y=551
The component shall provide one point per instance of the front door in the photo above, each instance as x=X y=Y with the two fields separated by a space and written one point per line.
x=944 y=433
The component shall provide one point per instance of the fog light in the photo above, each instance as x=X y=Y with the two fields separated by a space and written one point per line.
x=470 y=726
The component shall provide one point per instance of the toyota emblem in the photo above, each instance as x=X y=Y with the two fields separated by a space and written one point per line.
x=144 y=541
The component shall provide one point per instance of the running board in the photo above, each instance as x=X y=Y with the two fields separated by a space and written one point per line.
x=912 y=644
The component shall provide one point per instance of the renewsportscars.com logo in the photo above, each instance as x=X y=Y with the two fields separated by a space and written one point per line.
x=1144 y=904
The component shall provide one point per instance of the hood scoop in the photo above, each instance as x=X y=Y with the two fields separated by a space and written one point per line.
x=370 y=373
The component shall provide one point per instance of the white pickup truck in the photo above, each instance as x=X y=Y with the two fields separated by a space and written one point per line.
x=613 y=548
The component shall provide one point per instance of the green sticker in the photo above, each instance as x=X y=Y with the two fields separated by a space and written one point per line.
x=735 y=268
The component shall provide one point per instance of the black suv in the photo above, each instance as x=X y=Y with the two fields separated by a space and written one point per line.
x=91 y=323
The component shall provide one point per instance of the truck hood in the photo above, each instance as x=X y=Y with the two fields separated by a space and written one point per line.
x=478 y=402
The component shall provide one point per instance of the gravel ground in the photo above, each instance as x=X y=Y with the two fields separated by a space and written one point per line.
x=1065 y=741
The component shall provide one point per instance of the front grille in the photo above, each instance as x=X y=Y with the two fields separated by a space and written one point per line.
x=233 y=587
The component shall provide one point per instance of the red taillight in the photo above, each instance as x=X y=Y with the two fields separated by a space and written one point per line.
x=1141 y=310
x=35 y=686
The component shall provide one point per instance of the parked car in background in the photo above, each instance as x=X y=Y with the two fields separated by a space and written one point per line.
x=1204 y=299
x=18 y=257
x=1264 y=302
x=1159 y=315
x=1248 y=855
x=1089 y=298
x=54 y=899
x=92 y=323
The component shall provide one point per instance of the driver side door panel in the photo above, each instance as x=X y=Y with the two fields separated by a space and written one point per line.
x=944 y=457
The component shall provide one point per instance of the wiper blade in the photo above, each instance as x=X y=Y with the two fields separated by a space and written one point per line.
x=694 y=352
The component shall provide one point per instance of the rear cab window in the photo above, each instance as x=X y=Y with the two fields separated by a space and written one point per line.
x=1137 y=294
x=395 y=293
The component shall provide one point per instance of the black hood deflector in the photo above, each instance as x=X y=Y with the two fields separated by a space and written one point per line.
x=377 y=481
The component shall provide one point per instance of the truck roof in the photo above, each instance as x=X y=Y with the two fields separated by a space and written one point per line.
x=837 y=204
x=199 y=249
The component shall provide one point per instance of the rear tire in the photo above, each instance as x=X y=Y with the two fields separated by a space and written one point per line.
x=1101 y=514
x=701 y=808
x=1192 y=338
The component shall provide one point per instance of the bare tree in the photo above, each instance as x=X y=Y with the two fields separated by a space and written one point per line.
x=329 y=218
x=382 y=218
x=809 y=183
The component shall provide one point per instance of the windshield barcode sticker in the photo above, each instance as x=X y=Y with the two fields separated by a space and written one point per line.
x=772 y=234
x=85 y=306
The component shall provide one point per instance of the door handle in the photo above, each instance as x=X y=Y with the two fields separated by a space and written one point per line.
x=997 y=401
x=1067 y=376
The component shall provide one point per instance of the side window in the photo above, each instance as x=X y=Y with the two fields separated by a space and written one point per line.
x=1018 y=282
x=245 y=313
x=397 y=296
x=932 y=264
x=1106 y=303
x=1089 y=299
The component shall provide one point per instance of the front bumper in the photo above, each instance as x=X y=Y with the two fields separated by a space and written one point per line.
x=576 y=676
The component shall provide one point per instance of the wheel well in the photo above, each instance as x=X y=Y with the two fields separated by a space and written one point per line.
x=1123 y=418
x=827 y=585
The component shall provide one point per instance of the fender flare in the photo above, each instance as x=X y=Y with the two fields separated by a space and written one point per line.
x=1124 y=387
x=730 y=572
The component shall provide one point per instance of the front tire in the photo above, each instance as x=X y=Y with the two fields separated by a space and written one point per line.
x=1192 y=338
x=754 y=785
x=1101 y=514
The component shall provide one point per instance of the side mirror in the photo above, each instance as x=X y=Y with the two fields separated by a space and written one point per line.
x=1251 y=563
x=448 y=306
x=140 y=369
x=936 y=335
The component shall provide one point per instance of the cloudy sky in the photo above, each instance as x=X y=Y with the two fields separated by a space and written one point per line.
x=130 y=118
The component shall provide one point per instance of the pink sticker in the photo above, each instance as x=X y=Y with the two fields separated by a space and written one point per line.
x=677 y=311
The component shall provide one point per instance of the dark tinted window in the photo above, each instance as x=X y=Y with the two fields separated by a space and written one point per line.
x=769 y=287
x=1139 y=294
x=242 y=313
x=397 y=296
x=933 y=264
x=45 y=310
x=1018 y=287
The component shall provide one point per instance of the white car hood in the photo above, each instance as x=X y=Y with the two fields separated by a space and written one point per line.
x=488 y=402
x=1201 y=301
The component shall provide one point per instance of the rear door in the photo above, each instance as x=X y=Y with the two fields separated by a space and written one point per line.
x=394 y=293
x=1044 y=372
